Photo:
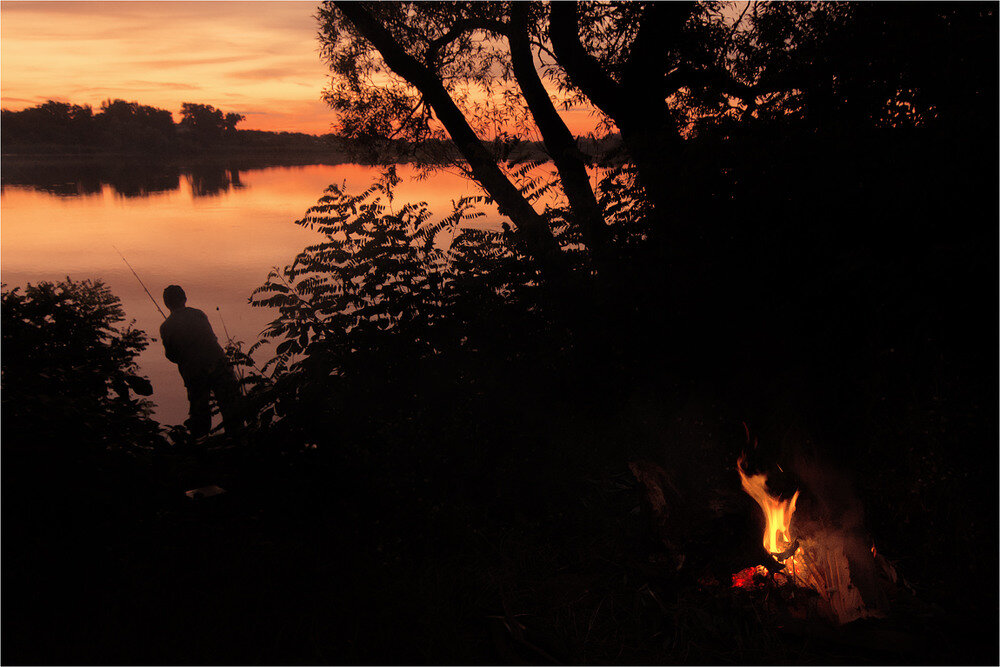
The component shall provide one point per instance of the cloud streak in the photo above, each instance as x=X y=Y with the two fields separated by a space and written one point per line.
x=186 y=62
x=257 y=54
x=255 y=58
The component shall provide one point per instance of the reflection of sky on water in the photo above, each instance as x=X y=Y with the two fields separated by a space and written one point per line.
x=219 y=247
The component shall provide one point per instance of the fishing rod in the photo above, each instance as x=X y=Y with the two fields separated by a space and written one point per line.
x=140 y=282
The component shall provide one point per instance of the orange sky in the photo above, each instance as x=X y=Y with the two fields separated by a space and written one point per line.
x=256 y=58
x=259 y=59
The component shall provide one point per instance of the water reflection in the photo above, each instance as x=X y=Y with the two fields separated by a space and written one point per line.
x=129 y=179
x=212 y=181
x=67 y=219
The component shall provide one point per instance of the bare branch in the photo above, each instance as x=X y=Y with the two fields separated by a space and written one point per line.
x=583 y=69
x=459 y=28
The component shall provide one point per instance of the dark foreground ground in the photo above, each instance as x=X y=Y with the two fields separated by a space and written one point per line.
x=303 y=562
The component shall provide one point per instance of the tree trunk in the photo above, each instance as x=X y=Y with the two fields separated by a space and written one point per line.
x=532 y=228
x=558 y=140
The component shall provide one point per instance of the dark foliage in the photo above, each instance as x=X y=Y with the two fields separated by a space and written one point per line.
x=809 y=273
x=59 y=130
x=123 y=126
x=206 y=124
x=70 y=382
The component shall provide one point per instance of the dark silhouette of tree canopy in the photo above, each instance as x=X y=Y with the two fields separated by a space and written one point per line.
x=122 y=126
x=50 y=122
x=536 y=426
x=660 y=72
x=207 y=124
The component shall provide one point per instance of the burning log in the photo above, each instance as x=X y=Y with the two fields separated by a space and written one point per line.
x=834 y=562
x=787 y=553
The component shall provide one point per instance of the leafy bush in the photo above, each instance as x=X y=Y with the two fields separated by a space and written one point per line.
x=379 y=296
x=70 y=372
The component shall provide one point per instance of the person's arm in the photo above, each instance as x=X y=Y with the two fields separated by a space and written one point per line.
x=168 y=347
x=209 y=331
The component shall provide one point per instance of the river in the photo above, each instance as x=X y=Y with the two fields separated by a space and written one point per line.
x=216 y=229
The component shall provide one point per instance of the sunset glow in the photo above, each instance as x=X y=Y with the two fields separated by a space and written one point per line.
x=259 y=59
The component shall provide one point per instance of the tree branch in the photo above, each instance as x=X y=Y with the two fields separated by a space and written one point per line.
x=686 y=77
x=659 y=28
x=460 y=27
x=532 y=228
x=724 y=81
x=736 y=24
x=584 y=71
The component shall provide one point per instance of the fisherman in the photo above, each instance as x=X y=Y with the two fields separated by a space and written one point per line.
x=190 y=342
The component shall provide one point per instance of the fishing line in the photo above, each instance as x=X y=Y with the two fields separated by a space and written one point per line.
x=224 y=328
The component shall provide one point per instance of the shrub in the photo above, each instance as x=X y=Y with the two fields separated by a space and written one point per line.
x=70 y=372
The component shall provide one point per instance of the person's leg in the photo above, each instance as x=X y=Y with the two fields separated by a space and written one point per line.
x=199 y=420
x=227 y=395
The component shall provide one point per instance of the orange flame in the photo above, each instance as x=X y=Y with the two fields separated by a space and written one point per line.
x=777 y=513
x=818 y=559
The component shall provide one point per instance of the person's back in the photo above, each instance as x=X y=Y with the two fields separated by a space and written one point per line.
x=190 y=342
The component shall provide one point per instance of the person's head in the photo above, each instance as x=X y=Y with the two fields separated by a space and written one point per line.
x=174 y=297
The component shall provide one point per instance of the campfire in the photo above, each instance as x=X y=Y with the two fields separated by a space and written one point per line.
x=839 y=563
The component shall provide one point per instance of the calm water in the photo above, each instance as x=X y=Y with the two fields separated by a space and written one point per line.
x=214 y=230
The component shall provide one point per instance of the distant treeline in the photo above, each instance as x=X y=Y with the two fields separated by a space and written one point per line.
x=129 y=127
x=56 y=128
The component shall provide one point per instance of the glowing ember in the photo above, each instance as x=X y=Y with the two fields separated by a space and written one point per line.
x=745 y=578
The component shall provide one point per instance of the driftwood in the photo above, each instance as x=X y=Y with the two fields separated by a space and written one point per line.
x=205 y=492
x=656 y=484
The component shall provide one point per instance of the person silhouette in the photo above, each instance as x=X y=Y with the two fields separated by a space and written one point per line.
x=190 y=342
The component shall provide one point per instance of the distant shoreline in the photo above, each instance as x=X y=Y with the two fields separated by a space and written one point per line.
x=315 y=156
x=335 y=152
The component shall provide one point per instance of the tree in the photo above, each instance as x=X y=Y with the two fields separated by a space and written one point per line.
x=53 y=122
x=767 y=146
x=436 y=55
x=742 y=129
x=135 y=127
x=432 y=54
x=658 y=71
x=206 y=124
